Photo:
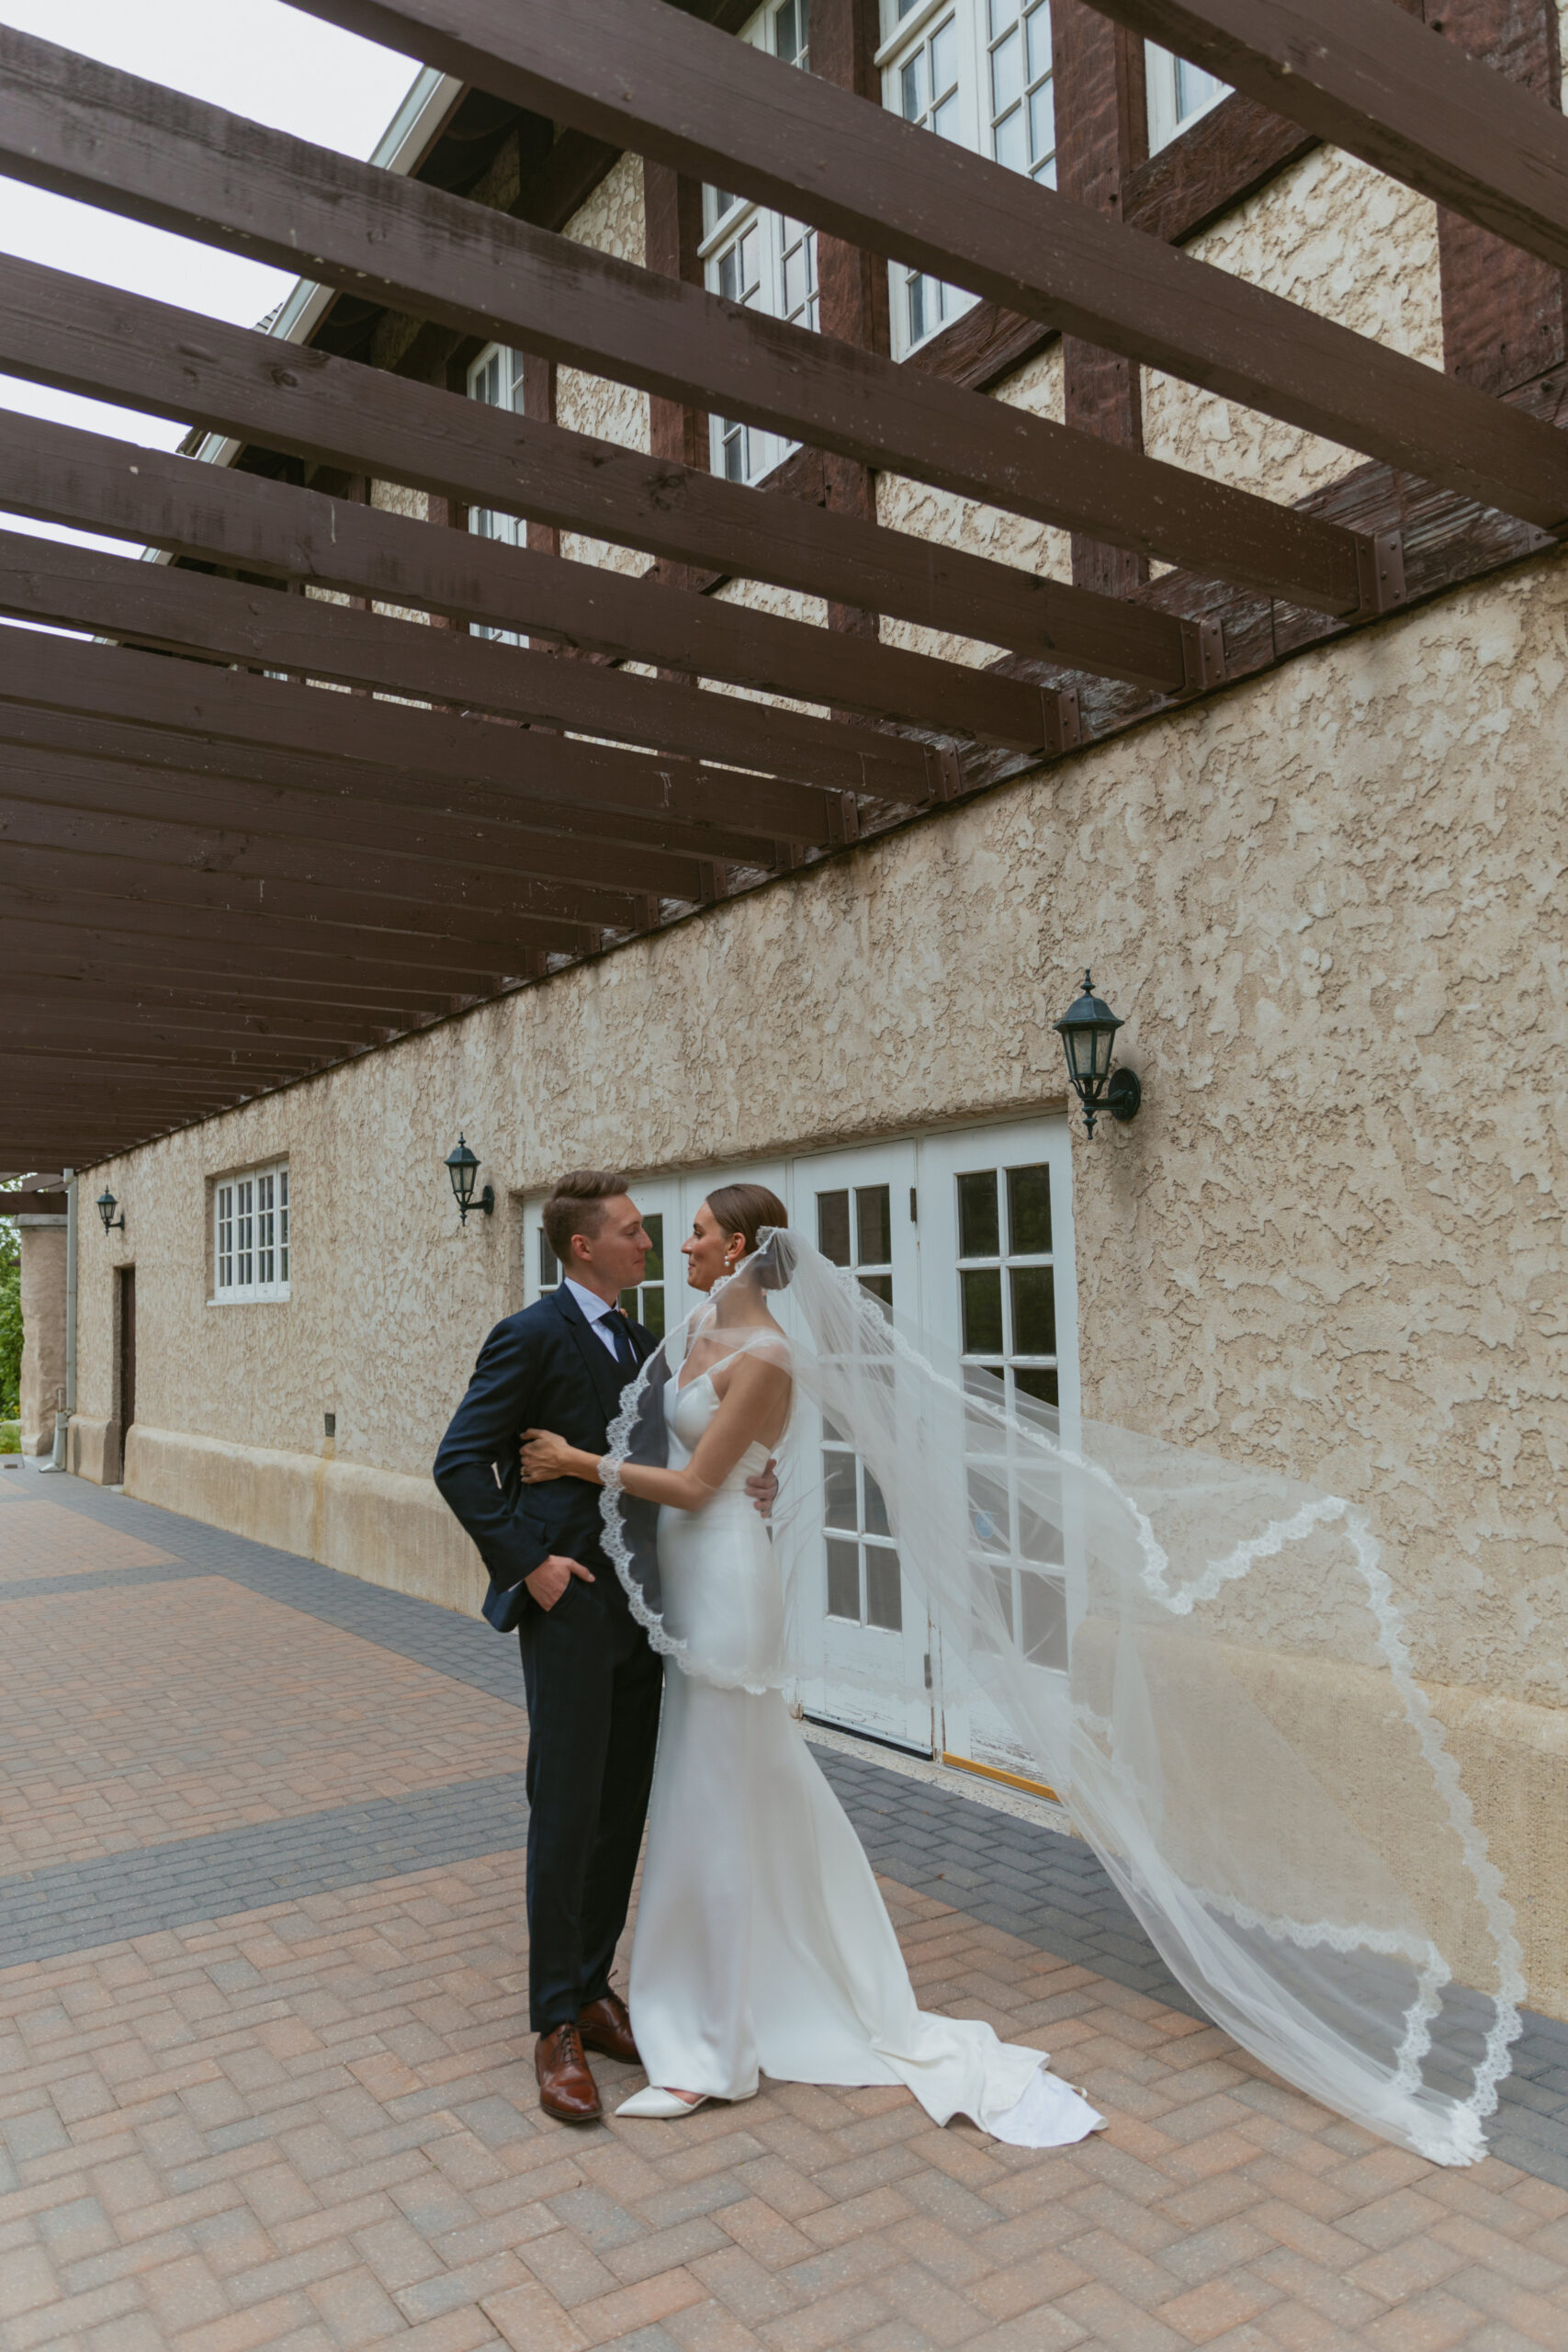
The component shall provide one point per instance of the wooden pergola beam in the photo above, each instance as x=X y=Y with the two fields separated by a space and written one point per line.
x=93 y=942
x=48 y=580
x=243 y=522
x=69 y=124
x=217 y=708
x=116 y=1017
x=644 y=75
x=278 y=917
x=344 y=882
x=490 y=860
x=1378 y=82
x=190 y=763
x=109 y=345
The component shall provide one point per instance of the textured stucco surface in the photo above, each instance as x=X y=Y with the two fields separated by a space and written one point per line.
x=611 y=222
x=928 y=513
x=1339 y=238
x=1326 y=904
x=43 y=1329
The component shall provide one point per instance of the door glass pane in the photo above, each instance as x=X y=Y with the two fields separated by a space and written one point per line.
x=1009 y=142
x=884 y=1601
x=874 y=1225
x=839 y=1502
x=1029 y=1212
x=1033 y=1310
x=550 y=1265
x=879 y=1285
x=1044 y=1627
x=843 y=1579
x=876 y=1508
x=982 y=1294
x=979 y=1235
x=1041 y=1385
x=833 y=1227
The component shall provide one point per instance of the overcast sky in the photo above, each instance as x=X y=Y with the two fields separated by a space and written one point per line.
x=255 y=57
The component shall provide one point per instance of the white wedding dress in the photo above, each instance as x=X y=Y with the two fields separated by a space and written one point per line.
x=763 y=1945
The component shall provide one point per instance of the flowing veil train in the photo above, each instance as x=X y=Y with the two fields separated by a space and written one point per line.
x=1235 y=1727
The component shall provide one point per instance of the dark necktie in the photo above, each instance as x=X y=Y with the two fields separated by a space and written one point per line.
x=620 y=1337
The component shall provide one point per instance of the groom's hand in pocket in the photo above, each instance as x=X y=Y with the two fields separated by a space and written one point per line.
x=763 y=1489
x=551 y=1578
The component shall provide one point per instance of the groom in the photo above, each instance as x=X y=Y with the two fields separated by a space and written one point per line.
x=593 y=1682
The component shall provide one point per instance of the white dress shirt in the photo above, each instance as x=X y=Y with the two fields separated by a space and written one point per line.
x=598 y=1312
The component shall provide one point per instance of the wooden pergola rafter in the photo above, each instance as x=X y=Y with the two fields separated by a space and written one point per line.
x=216 y=880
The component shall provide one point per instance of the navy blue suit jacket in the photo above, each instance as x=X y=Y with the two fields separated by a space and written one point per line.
x=546 y=1368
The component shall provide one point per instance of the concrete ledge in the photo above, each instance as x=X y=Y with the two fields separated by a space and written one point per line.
x=381 y=1525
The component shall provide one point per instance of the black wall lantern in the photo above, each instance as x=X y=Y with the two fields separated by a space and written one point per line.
x=106 y=1207
x=1088 y=1031
x=462 y=1165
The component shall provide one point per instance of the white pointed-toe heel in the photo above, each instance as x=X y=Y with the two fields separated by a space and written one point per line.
x=663 y=2104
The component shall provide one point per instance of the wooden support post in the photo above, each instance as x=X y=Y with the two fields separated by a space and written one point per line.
x=1504 y=315
x=1103 y=136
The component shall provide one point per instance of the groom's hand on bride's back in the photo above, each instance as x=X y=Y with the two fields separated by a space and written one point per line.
x=551 y=1578
x=763 y=1489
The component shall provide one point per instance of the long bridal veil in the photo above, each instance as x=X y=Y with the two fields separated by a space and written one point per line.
x=1206 y=1662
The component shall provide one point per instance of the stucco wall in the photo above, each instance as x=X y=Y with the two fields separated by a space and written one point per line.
x=611 y=222
x=43 y=1243
x=1337 y=237
x=1324 y=903
x=1327 y=904
x=928 y=513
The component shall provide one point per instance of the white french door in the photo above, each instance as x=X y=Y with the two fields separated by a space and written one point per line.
x=997 y=1267
x=858 y=1206
x=969 y=1234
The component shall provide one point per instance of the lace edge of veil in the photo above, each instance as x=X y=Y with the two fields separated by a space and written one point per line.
x=664 y=1645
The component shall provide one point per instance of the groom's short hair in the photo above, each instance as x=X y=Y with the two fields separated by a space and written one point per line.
x=577 y=1205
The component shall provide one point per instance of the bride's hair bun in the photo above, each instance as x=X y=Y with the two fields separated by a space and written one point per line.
x=745 y=1209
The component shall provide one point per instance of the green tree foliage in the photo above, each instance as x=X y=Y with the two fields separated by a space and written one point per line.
x=10 y=1321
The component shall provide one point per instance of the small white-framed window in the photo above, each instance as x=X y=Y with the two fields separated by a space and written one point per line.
x=1178 y=93
x=251 y=1236
x=496 y=378
x=981 y=72
x=761 y=260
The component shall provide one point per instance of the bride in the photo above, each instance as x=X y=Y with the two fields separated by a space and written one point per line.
x=763 y=1945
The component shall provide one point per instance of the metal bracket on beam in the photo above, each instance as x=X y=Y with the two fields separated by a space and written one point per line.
x=945 y=774
x=843 y=817
x=1062 y=729
x=1379 y=573
x=1202 y=656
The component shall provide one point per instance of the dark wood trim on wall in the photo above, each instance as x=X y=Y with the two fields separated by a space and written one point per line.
x=1505 y=314
x=673 y=216
x=1225 y=157
x=1102 y=133
x=852 y=286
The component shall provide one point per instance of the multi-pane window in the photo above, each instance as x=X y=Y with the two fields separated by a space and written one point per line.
x=496 y=378
x=854 y=1228
x=760 y=259
x=251 y=1236
x=980 y=71
x=1178 y=93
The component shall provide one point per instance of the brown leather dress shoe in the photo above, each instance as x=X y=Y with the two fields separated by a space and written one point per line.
x=605 y=2026
x=567 y=2089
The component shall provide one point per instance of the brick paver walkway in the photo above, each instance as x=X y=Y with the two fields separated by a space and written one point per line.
x=265 y=2079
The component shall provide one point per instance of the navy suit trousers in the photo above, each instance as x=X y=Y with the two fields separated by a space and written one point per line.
x=593 y=1689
